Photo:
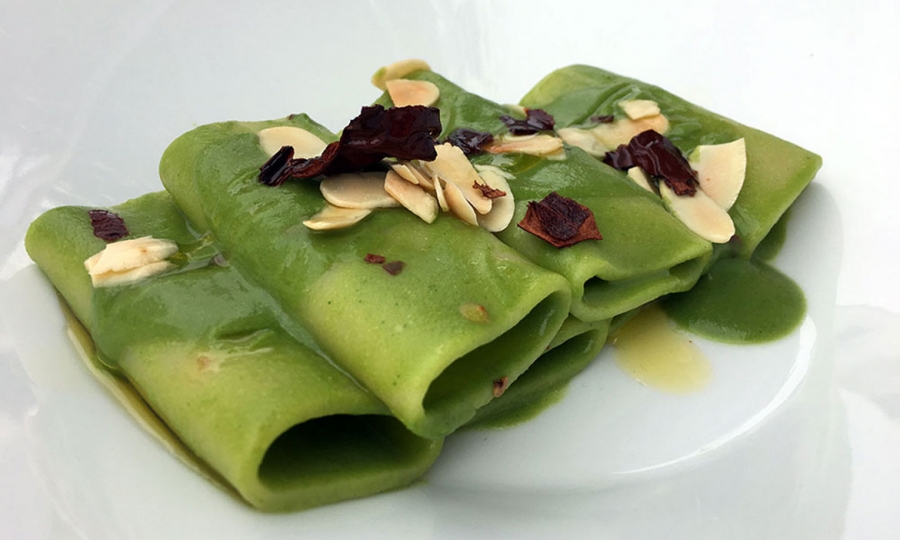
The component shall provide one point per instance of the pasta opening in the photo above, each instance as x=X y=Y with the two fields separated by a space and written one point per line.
x=321 y=450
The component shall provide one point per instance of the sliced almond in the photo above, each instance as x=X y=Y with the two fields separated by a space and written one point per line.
x=132 y=275
x=130 y=254
x=584 y=139
x=398 y=70
x=439 y=193
x=412 y=197
x=721 y=169
x=305 y=144
x=425 y=177
x=458 y=204
x=410 y=171
x=333 y=217
x=621 y=131
x=516 y=109
x=503 y=208
x=406 y=92
x=640 y=178
x=534 y=145
x=639 y=108
x=452 y=166
x=405 y=173
x=494 y=170
x=700 y=213
x=357 y=190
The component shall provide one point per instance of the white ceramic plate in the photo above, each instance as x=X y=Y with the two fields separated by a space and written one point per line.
x=795 y=439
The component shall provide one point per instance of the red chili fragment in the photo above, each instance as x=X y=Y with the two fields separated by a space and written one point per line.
x=488 y=191
x=394 y=267
x=603 y=119
x=276 y=170
x=659 y=158
x=372 y=258
x=400 y=132
x=535 y=120
x=500 y=386
x=469 y=140
x=560 y=221
x=107 y=226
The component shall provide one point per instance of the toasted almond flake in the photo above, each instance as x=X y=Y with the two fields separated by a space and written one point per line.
x=621 y=131
x=534 y=145
x=406 y=92
x=405 y=173
x=412 y=197
x=458 y=204
x=333 y=217
x=130 y=254
x=639 y=108
x=305 y=144
x=398 y=70
x=584 y=139
x=439 y=192
x=453 y=167
x=494 y=170
x=357 y=190
x=426 y=178
x=131 y=275
x=639 y=177
x=721 y=169
x=700 y=213
x=503 y=208
x=516 y=109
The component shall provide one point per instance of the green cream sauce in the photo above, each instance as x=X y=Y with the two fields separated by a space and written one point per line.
x=739 y=301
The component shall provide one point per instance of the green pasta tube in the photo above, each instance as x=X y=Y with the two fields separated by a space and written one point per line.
x=429 y=341
x=237 y=382
x=645 y=252
x=776 y=171
x=576 y=344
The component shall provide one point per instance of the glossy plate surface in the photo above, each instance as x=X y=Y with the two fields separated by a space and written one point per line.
x=794 y=439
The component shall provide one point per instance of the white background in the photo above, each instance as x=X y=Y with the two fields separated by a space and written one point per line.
x=92 y=92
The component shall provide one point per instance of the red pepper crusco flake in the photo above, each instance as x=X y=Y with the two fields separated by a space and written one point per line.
x=372 y=258
x=535 y=120
x=469 y=140
x=394 y=267
x=560 y=221
x=107 y=226
x=659 y=158
x=377 y=133
x=488 y=191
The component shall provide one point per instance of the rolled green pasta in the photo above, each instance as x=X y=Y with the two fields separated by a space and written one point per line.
x=217 y=361
x=576 y=344
x=777 y=171
x=645 y=252
x=409 y=338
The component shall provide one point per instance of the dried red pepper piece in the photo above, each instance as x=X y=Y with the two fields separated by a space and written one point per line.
x=372 y=258
x=469 y=140
x=394 y=267
x=275 y=171
x=535 y=120
x=488 y=191
x=107 y=226
x=400 y=132
x=658 y=157
x=560 y=221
